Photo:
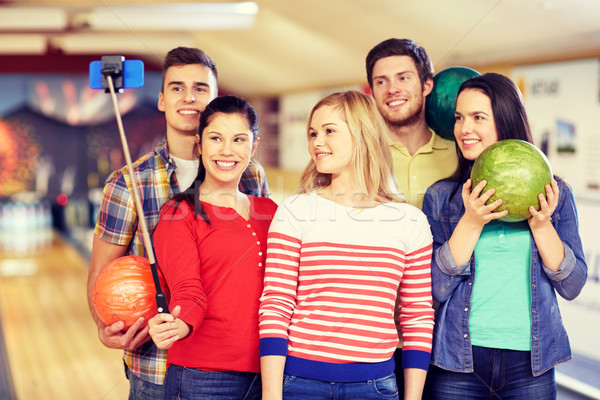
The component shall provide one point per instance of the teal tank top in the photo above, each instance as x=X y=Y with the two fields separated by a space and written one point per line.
x=501 y=301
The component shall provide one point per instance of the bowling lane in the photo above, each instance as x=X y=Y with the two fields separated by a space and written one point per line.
x=50 y=339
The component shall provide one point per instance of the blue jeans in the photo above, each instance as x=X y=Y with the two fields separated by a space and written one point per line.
x=499 y=374
x=188 y=384
x=298 y=388
x=139 y=389
x=399 y=372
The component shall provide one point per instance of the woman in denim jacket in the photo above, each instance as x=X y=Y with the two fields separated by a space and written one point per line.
x=498 y=332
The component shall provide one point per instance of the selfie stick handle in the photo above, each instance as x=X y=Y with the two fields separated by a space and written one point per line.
x=161 y=301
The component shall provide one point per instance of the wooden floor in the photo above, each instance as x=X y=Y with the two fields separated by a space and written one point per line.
x=50 y=339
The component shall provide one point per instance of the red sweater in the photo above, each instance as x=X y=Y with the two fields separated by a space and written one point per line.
x=215 y=273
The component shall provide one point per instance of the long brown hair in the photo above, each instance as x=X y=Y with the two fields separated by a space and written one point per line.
x=508 y=109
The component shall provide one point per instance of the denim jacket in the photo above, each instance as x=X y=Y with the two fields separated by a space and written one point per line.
x=452 y=284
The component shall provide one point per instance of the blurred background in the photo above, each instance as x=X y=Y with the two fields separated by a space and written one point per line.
x=59 y=139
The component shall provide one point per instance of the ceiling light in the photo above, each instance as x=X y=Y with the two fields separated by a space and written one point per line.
x=121 y=42
x=23 y=44
x=192 y=16
x=32 y=18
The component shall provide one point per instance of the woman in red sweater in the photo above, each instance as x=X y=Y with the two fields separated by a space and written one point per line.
x=210 y=245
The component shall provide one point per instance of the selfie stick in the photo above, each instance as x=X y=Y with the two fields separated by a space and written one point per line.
x=161 y=301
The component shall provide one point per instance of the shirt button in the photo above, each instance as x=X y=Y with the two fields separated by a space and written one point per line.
x=465 y=335
x=258 y=242
x=249 y=225
x=260 y=253
x=260 y=264
x=253 y=233
x=466 y=309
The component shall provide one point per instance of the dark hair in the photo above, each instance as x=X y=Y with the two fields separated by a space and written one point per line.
x=224 y=105
x=508 y=111
x=400 y=47
x=187 y=56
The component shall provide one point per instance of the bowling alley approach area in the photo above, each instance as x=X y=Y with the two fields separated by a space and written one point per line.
x=49 y=347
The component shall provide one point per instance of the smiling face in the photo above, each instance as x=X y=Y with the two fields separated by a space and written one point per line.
x=398 y=92
x=226 y=149
x=187 y=90
x=474 y=129
x=330 y=141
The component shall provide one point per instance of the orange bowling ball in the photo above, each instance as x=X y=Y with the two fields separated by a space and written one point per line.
x=124 y=291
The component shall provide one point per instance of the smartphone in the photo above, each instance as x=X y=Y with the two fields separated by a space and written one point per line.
x=130 y=73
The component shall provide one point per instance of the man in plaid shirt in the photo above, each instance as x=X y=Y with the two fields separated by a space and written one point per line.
x=189 y=83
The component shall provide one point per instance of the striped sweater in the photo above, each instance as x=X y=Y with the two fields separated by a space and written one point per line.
x=333 y=276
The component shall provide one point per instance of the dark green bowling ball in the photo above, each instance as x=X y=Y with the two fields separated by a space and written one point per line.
x=440 y=103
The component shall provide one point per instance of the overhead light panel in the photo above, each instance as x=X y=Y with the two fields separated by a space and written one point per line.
x=189 y=16
x=33 y=18
x=23 y=44
x=120 y=42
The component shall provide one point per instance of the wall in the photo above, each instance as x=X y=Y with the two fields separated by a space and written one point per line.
x=563 y=106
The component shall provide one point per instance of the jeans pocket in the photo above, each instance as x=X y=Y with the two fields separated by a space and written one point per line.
x=386 y=386
x=288 y=380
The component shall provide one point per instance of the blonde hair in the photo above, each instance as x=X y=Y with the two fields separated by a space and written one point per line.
x=371 y=155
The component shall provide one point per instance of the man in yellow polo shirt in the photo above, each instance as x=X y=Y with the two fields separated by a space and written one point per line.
x=400 y=75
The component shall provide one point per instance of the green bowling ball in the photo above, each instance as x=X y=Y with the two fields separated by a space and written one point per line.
x=518 y=171
x=440 y=103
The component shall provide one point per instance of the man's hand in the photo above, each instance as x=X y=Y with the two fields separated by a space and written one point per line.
x=113 y=337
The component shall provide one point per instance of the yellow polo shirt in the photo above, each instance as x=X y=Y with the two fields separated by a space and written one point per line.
x=434 y=161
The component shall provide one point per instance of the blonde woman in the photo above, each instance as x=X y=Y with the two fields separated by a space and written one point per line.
x=345 y=256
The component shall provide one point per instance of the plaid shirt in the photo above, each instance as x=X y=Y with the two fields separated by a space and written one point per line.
x=117 y=223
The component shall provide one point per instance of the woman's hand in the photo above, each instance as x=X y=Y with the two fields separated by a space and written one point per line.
x=476 y=211
x=466 y=234
x=166 y=329
x=547 y=206
x=549 y=244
